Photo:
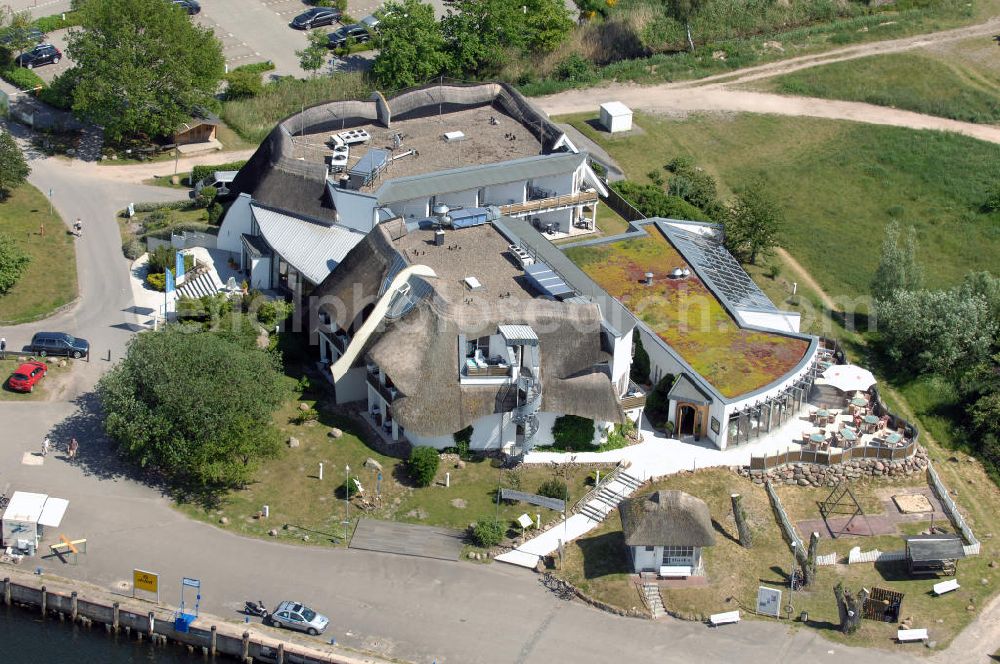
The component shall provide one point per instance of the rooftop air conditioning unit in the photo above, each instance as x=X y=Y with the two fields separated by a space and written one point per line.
x=649 y=278
x=452 y=136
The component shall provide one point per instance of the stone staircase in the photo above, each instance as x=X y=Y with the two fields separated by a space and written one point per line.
x=651 y=592
x=599 y=503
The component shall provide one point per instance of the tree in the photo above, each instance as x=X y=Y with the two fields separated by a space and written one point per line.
x=742 y=527
x=571 y=432
x=194 y=405
x=13 y=262
x=14 y=169
x=639 y=372
x=18 y=33
x=753 y=224
x=423 y=465
x=658 y=403
x=412 y=49
x=548 y=23
x=553 y=488
x=944 y=332
x=313 y=56
x=849 y=607
x=487 y=533
x=652 y=201
x=481 y=35
x=143 y=66
x=897 y=266
x=683 y=11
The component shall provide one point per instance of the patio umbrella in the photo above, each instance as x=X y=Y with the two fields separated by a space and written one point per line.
x=848 y=377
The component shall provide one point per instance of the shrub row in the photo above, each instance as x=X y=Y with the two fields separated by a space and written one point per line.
x=199 y=172
x=22 y=78
x=55 y=22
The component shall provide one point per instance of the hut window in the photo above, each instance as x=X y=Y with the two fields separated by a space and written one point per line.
x=650 y=548
x=677 y=555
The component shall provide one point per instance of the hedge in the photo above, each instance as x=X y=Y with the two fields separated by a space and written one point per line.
x=55 y=22
x=256 y=67
x=200 y=172
x=20 y=77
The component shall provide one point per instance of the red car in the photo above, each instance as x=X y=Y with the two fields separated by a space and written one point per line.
x=29 y=373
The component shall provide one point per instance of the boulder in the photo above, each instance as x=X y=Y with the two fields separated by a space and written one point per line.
x=273 y=532
x=224 y=520
x=472 y=555
x=303 y=407
x=293 y=442
x=372 y=464
x=335 y=433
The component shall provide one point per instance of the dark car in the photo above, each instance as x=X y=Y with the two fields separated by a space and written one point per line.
x=26 y=376
x=58 y=343
x=34 y=35
x=316 y=17
x=43 y=54
x=190 y=6
x=341 y=35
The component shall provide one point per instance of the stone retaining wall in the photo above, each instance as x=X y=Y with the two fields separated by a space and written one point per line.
x=808 y=474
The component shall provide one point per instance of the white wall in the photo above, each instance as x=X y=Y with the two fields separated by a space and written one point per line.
x=492 y=432
x=660 y=361
x=503 y=194
x=782 y=321
x=621 y=359
x=557 y=184
x=643 y=560
x=352 y=386
x=236 y=223
x=260 y=273
x=354 y=209
x=416 y=209
x=467 y=198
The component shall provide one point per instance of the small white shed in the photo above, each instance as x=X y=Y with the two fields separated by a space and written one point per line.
x=616 y=116
x=26 y=516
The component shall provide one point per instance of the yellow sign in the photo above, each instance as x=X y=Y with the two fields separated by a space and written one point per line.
x=145 y=581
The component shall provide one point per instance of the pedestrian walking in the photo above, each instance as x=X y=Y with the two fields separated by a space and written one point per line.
x=45 y=446
x=3 y=346
x=73 y=447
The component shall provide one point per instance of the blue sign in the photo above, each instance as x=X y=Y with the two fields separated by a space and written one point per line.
x=193 y=583
x=170 y=281
x=179 y=265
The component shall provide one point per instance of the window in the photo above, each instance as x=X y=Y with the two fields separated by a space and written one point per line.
x=678 y=555
x=650 y=548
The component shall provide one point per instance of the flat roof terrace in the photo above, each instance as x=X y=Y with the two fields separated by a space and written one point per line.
x=686 y=314
x=480 y=252
x=484 y=142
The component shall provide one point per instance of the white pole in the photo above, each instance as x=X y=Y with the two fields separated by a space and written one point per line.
x=447 y=480
x=598 y=480
x=267 y=511
x=538 y=521
x=321 y=470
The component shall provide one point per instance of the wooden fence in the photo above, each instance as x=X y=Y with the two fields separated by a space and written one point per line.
x=832 y=457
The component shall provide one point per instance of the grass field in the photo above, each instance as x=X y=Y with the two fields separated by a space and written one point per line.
x=929 y=82
x=50 y=280
x=290 y=486
x=43 y=390
x=838 y=183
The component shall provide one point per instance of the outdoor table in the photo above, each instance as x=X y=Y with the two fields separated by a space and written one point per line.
x=893 y=438
x=816 y=438
x=822 y=412
x=870 y=422
x=858 y=401
x=848 y=434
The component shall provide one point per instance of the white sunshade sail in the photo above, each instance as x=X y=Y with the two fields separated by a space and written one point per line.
x=848 y=377
x=52 y=513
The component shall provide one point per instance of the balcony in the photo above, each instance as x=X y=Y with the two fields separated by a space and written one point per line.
x=635 y=397
x=387 y=392
x=478 y=367
x=549 y=204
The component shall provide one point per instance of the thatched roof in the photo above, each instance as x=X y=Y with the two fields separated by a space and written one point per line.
x=666 y=518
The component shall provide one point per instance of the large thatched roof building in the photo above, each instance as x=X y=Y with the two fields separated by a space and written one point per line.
x=665 y=532
x=443 y=330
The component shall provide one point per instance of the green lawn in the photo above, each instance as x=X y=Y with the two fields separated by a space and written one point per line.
x=50 y=280
x=924 y=82
x=296 y=496
x=838 y=183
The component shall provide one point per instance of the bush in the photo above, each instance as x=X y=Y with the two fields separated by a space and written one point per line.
x=215 y=212
x=773 y=271
x=423 y=465
x=26 y=79
x=13 y=262
x=201 y=172
x=243 y=84
x=652 y=201
x=59 y=94
x=132 y=248
x=342 y=492
x=463 y=439
x=488 y=533
x=157 y=281
x=272 y=312
x=571 y=432
x=303 y=416
x=575 y=69
x=553 y=488
x=55 y=22
x=992 y=202
x=639 y=372
x=258 y=67
x=164 y=257
x=206 y=196
x=657 y=403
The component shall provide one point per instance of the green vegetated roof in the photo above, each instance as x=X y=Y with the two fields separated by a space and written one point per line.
x=687 y=316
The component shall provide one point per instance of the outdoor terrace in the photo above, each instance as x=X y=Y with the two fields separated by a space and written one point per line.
x=484 y=142
x=687 y=316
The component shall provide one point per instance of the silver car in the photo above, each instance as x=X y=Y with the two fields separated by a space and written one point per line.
x=294 y=615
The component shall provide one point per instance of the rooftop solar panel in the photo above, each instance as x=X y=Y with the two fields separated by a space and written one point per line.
x=547 y=281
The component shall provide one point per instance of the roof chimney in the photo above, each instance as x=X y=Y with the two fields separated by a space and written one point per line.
x=649 y=278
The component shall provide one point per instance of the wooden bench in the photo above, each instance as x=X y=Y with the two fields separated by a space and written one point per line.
x=946 y=586
x=906 y=635
x=675 y=571
x=724 y=618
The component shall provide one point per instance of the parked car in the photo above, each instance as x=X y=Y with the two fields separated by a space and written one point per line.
x=315 y=17
x=26 y=375
x=190 y=6
x=33 y=34
x=370 y=22
x=43 y=54
x=294 y=615
x=341 y=35
x=58 y=343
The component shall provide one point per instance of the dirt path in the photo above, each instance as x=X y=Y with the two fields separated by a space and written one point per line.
x=137 y=173
x=716 y=94
x=803 y=276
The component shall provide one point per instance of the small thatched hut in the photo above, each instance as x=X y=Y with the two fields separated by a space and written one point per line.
x=665 y=532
